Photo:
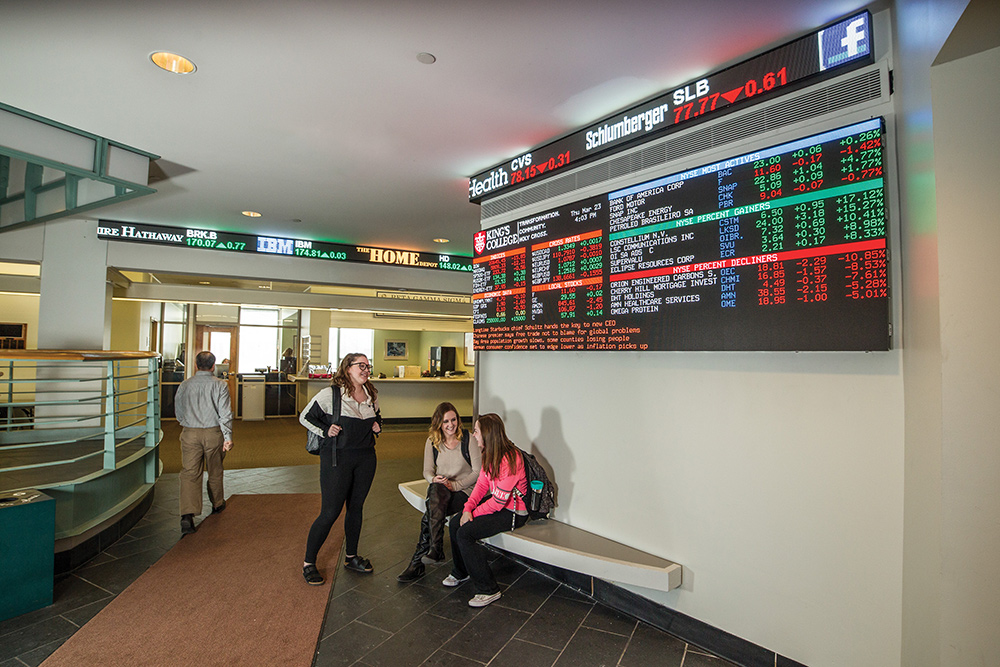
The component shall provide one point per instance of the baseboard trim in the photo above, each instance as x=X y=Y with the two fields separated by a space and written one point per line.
x=686 y=628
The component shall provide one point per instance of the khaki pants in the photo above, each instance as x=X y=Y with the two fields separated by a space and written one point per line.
x=201 y=449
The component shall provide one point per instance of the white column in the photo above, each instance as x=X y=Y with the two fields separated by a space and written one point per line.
x=74 y=310
x=74 y=313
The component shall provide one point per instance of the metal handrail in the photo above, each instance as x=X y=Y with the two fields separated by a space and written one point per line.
x=45 y=409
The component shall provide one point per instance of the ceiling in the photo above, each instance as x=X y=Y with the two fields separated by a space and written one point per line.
x=320 y=116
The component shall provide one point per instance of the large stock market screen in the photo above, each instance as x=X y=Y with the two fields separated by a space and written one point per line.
x=782 y=248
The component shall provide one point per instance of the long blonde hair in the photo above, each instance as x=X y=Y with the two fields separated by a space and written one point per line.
x=436 y=434
x=343 y=380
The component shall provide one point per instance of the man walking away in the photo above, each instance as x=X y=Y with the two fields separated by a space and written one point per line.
x=203 y=410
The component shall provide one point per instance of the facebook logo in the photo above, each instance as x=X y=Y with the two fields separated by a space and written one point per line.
x=848 y=40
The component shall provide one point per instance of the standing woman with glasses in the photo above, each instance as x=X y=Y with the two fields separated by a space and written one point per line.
x=346 y=416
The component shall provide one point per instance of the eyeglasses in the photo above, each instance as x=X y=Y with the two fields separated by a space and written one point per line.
x=363 y=366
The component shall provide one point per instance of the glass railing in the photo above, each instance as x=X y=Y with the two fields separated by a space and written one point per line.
x=67 y=416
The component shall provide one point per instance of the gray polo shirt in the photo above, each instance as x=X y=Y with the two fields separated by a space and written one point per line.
x=202 y=401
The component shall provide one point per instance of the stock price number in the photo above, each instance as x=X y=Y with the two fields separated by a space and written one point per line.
x=451 y=266
x=595 y=302
x=751 y=88
x=867 y=277
x=213 y=243
x=319 y=254
x=532 y=170
x=567 y=304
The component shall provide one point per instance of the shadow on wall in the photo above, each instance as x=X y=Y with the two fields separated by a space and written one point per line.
x=548 y=445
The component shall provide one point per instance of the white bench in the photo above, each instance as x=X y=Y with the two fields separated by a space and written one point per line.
x=571 y=548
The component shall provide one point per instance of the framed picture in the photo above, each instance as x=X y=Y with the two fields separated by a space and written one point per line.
x=470 y=352
x=395 y=349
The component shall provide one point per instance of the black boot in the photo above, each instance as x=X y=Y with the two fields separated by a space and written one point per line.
x=413 y=571
x=437 y=504
x=424 y=541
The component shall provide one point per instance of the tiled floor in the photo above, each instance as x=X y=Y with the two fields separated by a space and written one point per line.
x=373 y=620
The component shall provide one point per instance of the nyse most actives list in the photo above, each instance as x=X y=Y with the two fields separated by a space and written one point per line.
x=782 y=248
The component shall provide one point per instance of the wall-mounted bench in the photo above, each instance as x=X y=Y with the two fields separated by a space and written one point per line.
x=571 y=548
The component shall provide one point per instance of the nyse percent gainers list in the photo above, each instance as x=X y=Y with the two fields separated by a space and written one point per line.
x=783 y=248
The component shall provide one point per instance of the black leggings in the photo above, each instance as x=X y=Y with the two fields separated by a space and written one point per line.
x=469 y=556
x=346 y=483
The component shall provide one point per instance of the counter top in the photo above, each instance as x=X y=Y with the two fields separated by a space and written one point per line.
x=402 y=398
x=306 y=378
x=462 y=378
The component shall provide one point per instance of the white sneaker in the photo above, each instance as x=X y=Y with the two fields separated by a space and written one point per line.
x=451 y=581
x=481 y=600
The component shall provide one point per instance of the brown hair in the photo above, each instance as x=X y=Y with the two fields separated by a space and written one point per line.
x=497 y=447
x=435 y=432
x=343 y=380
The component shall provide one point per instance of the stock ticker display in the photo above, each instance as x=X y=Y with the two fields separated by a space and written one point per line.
x=783 y=248
x=825 y=52
x=223 y=241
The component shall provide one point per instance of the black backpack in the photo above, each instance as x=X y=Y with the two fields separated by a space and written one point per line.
x=533 y=471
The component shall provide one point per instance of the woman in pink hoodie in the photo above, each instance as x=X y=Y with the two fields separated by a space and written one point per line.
x=492 y=508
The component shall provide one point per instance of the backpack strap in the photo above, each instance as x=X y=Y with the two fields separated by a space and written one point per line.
x=516 y=491
x=337 y=398
x=465 y=447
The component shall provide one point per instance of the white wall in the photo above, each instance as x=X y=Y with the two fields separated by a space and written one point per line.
x=22 y=245
x=921 y=28
x=801 y=492
x=966 y=94
x=775 y=479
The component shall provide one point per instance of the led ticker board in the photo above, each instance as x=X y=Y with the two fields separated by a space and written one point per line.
x=846 y=43
x=269 y=245
x=783 y=248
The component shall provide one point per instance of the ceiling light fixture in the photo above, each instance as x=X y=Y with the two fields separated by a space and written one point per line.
x=442 y=240
x=426 y=58
x=172 y=62
x=251 y=214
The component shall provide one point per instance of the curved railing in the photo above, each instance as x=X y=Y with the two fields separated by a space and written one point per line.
x=71 y=419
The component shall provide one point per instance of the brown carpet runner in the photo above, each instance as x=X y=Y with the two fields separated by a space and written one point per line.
x=230 y=594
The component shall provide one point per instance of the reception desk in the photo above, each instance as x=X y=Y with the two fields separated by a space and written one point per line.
x=403 y=398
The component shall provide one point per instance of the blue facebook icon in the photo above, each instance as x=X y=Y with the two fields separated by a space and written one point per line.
x=846 y=41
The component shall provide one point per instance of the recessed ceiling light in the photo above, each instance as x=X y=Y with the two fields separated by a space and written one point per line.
x=426 y=58
x=251 y=214
x=442 y=240
x=204 y=282
x=172 y=62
